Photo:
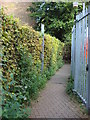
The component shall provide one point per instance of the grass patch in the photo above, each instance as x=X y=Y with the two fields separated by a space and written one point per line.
x=74 y=97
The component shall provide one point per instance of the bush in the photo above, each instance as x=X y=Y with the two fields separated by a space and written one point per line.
x=70 y=86
x=21 y=70
x=67 y=52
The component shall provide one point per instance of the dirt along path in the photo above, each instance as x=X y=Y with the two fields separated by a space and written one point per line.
x=53 y=102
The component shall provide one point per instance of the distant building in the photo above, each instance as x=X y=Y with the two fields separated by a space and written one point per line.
x=19 y=10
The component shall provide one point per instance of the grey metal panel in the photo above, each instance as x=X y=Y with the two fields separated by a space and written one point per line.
x=89 y=58
x=80 y=54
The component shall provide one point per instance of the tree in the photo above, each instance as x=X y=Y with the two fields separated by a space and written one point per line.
x=58 y=18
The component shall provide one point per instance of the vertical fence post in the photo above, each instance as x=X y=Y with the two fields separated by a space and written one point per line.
x=72 y=53
x=76 y=54
x=42 y=31
x=88 y=59
x=83 y=45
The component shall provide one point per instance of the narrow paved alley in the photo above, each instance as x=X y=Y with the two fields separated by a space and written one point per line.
x=53 y=102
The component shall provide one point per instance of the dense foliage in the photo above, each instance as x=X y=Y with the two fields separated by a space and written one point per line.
x=67 y=52
x=58 y=18
x=21 y=65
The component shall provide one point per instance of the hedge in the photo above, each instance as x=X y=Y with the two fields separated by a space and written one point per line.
x=21 y=64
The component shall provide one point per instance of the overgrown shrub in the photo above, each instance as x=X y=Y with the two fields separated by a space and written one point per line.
x=67 y=52
x=70 y=86
x=21 y=70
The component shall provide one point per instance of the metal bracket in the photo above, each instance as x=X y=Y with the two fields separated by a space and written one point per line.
x=87 y=67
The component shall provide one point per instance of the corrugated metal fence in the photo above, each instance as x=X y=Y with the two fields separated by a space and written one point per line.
x=79 y=55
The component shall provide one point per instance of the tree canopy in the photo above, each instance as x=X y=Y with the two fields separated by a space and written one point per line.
x=58 y=18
